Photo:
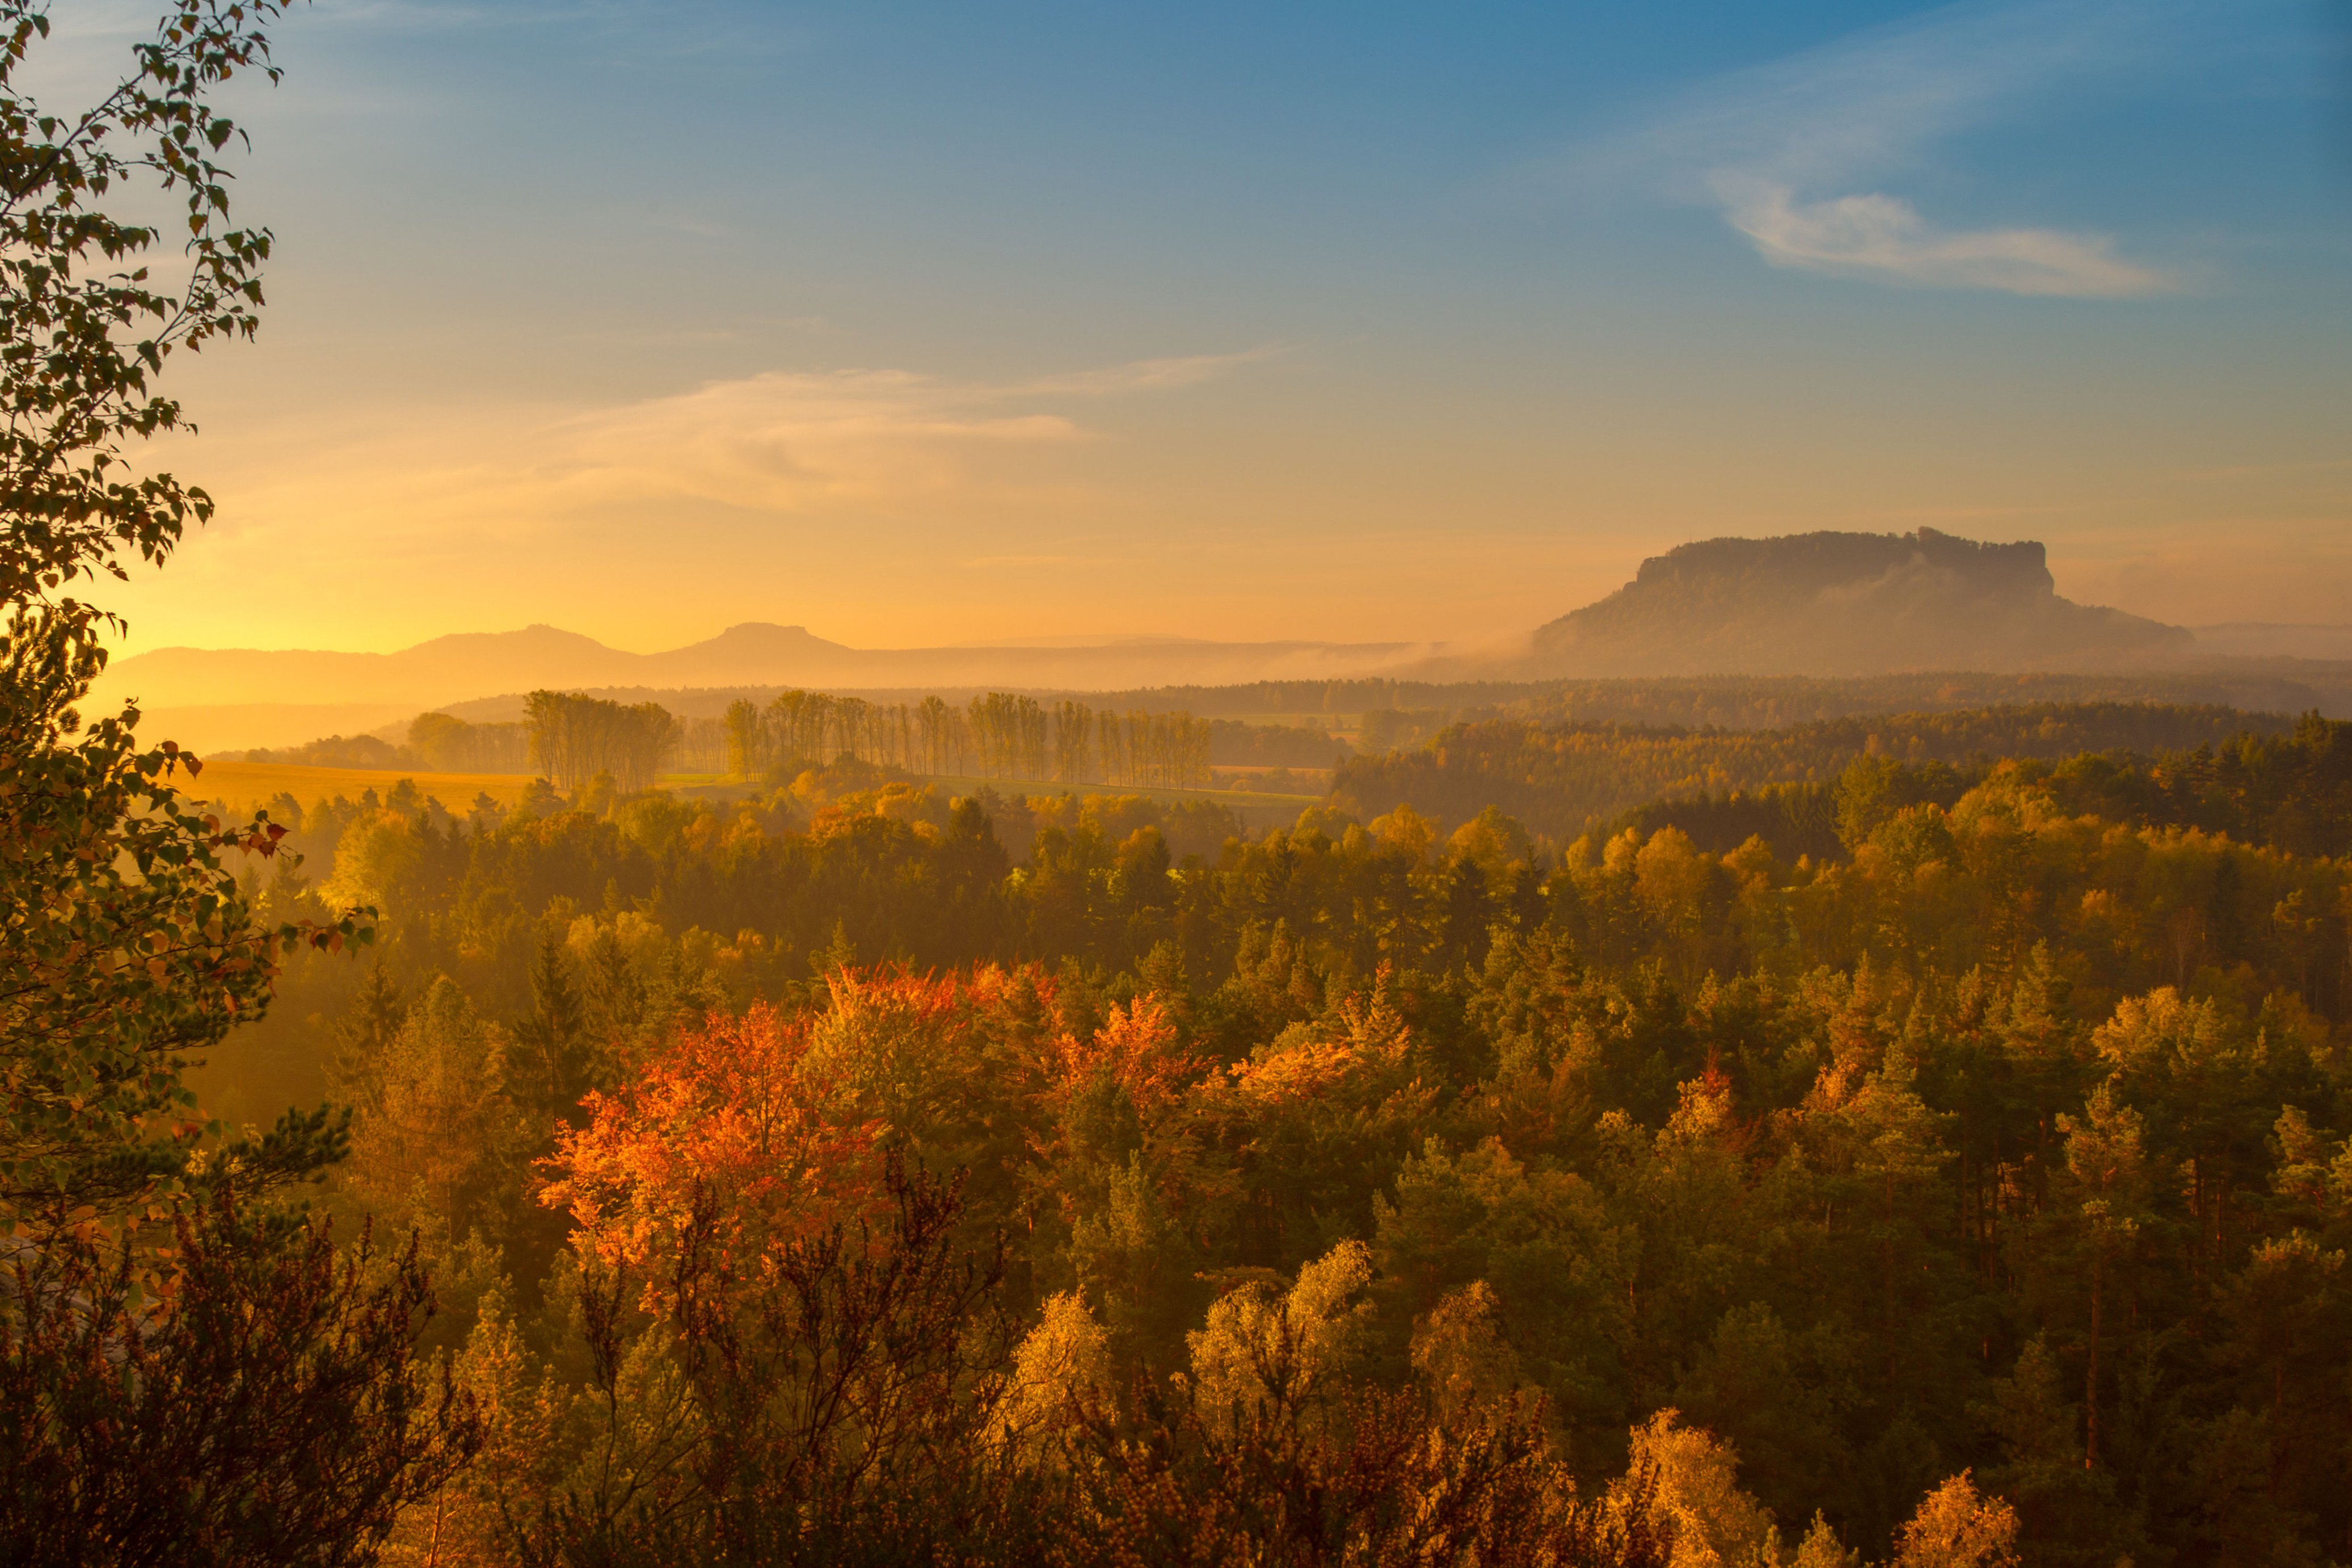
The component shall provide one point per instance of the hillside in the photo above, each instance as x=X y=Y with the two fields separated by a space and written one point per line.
x=1564 y=779
x=1846 y=604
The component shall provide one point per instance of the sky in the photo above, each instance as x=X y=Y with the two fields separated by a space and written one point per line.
x=927 y=323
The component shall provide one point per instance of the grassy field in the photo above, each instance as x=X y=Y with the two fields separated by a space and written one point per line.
x=241 y=786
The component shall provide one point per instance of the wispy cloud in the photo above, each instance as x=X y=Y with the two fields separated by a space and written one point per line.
x=788 y=440
x=1798 y=154
x=785 y=440
x=1144 y=375
x=1885 y=237
x=783 y=443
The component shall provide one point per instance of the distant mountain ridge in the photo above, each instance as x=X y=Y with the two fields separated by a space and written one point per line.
x=471 y=664
x=1845 y=604
x=1826 y=606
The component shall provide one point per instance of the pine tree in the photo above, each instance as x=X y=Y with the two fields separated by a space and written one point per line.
x=551 y=1063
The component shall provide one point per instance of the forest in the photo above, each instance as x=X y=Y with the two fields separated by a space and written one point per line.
x=1922 y=1140
x=2000 y=1141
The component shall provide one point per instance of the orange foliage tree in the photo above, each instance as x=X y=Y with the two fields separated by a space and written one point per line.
x=728 y=1122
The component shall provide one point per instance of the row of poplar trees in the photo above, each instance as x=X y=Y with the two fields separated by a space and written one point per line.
x=574 y=738
x=996 y=735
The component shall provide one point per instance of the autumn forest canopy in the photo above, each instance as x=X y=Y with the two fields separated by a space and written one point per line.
x=1716 y=1121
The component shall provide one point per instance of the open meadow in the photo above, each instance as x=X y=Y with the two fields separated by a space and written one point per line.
x=246 y=786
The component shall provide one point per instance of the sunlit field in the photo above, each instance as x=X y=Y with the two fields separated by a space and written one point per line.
x=246 y=786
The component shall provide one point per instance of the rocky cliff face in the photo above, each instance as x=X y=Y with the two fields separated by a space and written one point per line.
x=1845 y=604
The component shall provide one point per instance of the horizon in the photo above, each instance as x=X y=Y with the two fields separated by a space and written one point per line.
x=1833 y=606
x=1059 y=641
x=1071 y=641
x=940 y=330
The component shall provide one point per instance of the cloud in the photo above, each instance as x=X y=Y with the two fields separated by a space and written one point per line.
x=783 y=443
x=788 y=441
x=1146 y=374
x=791 y=440
x=1796 y=154
x=1885 y=237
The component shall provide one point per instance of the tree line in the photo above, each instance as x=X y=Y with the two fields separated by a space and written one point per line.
x=571 y=737
x=446 y=745
x=2074 y=713
x=996 y=735
x=1743 y=702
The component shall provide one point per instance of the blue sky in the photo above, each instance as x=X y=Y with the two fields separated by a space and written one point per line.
x=917 y=323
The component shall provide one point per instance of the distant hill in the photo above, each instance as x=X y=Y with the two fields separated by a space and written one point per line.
x=1843 y=604
x=238 y=690
x=467 y=664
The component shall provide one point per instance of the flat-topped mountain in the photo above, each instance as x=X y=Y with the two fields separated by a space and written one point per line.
x=1846 y=604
